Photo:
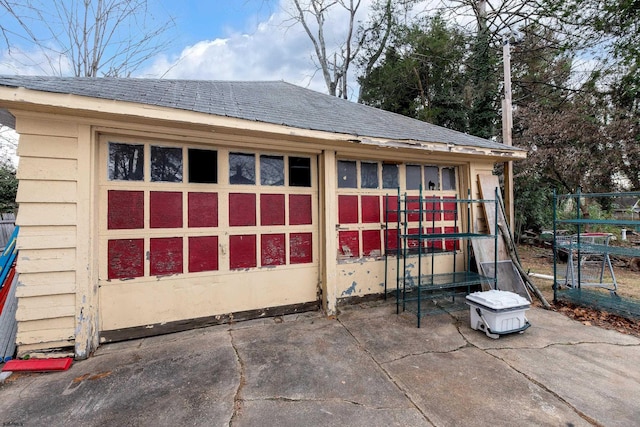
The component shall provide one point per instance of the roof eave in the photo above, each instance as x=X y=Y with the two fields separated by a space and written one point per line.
x=40 y=101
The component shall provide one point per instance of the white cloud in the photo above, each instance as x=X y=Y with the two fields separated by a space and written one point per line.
x=271 y=52
x=276 y=49
x=34 y=62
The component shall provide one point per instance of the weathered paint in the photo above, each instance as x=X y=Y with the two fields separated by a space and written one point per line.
x=349 y=244
x=203 y=295
x=301 y=248
x=371 y=243
x=125 y=258
x=165 y=256
x=272 y=249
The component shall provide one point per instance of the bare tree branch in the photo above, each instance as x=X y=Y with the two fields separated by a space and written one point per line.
x=91 y=37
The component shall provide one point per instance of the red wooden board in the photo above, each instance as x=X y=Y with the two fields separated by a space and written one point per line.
x=391 y=208
x=437 y=244
x=371 y=242
x=242 y=251
x=126 y=258
x=370 y=209
x=272 y=249
x=125 y=210
x=300 y=248
x=348 y=244
x=242 y=209
x=38 y=365
x=203 y=210
x=299 y=209
x=391 y=239
x=449 y=208
x=413 y=204
x=165 y=256
x=413 y=243
x=451 y=244
x=203 y=253
x=272 y=209
x=347 y=209
x=165 y=209
x=433 y=209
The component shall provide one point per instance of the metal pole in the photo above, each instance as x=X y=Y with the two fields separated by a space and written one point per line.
x=507 y=126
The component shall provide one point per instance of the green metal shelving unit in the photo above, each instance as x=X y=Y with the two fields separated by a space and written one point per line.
x=413 y=290
x=583 y=244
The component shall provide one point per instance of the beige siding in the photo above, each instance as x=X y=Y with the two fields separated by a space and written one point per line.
x=47 y=330
x=46 y=307
x=47 y=237
x=47 y=216
x=47 y=146
x=47 y=169
x=42 y=191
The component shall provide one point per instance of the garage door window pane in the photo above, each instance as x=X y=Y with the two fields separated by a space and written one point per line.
x=271 y=170
x=126 y=162
x=299 y=172
x=431 y=178
x=203 y=166
x=346 y=174
x=413 y=177
x=242 y=168
x=390 y=176
x=448 y=178
x=166 y=164
x=368 y=175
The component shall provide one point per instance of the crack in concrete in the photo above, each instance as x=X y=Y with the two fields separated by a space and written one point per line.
x=581 y=414
x=387 y=373
x=237 y=400
x=329 y=400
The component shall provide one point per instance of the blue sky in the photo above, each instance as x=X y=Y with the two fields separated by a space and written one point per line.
x=209 y=19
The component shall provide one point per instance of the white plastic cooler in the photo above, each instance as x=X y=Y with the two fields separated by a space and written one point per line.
x=498 y=312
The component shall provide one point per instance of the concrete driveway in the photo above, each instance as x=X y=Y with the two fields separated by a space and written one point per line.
x=368 y=367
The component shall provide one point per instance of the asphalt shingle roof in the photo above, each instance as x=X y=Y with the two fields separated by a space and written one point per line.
x=273 y=102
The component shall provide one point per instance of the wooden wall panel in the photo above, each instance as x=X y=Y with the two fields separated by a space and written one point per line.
x=44 y=191
x=46 y=307
x=43 y=214
x=42 y=237
x=45 y=260
x=47 y=169
x=27 y=125
x=48 y=146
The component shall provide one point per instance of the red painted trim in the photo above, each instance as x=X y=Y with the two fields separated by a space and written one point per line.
x=38 y=365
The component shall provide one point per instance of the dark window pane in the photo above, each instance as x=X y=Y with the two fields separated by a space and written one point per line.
x=242 y=168
x=346 y=174
x=166 y=164
x=431 y=178
x=271 y=170
x=368 y=175
x=390 y=176
x=299 y=172
x=413 y=177
x=448 y=178
x=126 y=162
x=203 y=166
